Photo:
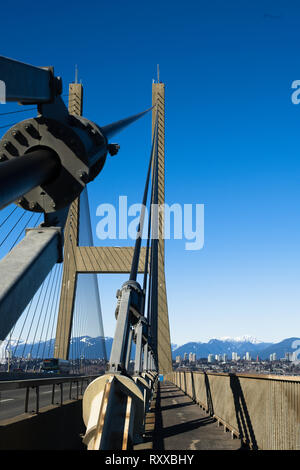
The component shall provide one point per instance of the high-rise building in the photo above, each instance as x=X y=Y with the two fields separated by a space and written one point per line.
x=178 y=359
x=273 y=357
x=192 y=357
x=295 y=356
x=235 y=356
x=210 y=358
x=248 y=356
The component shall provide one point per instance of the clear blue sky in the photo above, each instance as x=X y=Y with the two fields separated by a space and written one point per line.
x=232 y=141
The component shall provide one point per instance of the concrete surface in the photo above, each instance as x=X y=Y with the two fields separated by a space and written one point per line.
x=180 y=424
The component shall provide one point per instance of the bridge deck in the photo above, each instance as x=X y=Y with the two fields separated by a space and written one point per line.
x=177 y=423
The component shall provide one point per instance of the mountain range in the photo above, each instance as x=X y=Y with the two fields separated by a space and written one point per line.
x=238 y=345
x=94 y=347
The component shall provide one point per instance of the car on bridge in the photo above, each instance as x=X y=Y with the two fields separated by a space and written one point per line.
x=56 y=366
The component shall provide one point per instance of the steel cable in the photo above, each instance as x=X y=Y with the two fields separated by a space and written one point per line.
x=47 y=308
x=51 y=310
x=10 y=214
x=27 y=309
x=18 y=111
x=20 y=218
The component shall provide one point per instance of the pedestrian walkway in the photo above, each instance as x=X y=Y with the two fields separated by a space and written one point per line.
x=175 y=422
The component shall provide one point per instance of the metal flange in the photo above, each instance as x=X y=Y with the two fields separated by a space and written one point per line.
x=136 y=300
x=41 y=132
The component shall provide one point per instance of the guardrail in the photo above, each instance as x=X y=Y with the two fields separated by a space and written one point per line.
x=261 y=410
x=28 y=384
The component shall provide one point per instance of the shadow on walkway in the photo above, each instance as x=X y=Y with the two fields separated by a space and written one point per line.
x=179 y=425
x=184 y=427
x=168 y=395
x=178 y=405
x=161 y=432
x=210 y=405
x=246 y=431
x=158 y=441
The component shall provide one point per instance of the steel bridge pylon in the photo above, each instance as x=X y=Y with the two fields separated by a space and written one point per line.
x=116 y=260
x=59 y=152
x=163 y=328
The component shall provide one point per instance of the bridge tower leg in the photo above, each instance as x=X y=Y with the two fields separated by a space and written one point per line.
x=69 y=281
x=163 y=328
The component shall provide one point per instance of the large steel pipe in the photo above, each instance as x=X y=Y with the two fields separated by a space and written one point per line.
x=112 y=129
x=21 y=174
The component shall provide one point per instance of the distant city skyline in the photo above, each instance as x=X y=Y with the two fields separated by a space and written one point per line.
x=214 y=350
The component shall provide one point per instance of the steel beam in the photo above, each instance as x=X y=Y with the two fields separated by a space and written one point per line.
x=26 y=83
x=138 y=348
x=146 y=356
x=117 y=362
x=107 y=259
x=129 y=346
x=23 y=270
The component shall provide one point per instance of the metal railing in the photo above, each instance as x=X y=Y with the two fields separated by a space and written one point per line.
x=35 y=384
x=261 y=410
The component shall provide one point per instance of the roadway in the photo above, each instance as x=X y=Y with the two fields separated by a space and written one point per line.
x=12 y=402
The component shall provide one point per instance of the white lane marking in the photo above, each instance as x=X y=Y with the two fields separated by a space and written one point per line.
x=192 y=446
x=6 y=399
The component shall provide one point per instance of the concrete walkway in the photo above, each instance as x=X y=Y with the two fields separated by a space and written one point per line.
x=180 y=424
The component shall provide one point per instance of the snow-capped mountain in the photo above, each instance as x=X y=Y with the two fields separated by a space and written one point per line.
x=241 y=339
x=222 y=346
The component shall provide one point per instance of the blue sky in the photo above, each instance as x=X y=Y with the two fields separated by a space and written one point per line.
x=232 y=141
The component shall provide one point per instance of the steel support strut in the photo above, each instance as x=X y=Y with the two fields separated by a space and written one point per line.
x=28 y=84
x=138 y=348
x=130 y=301
x=24 y=269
